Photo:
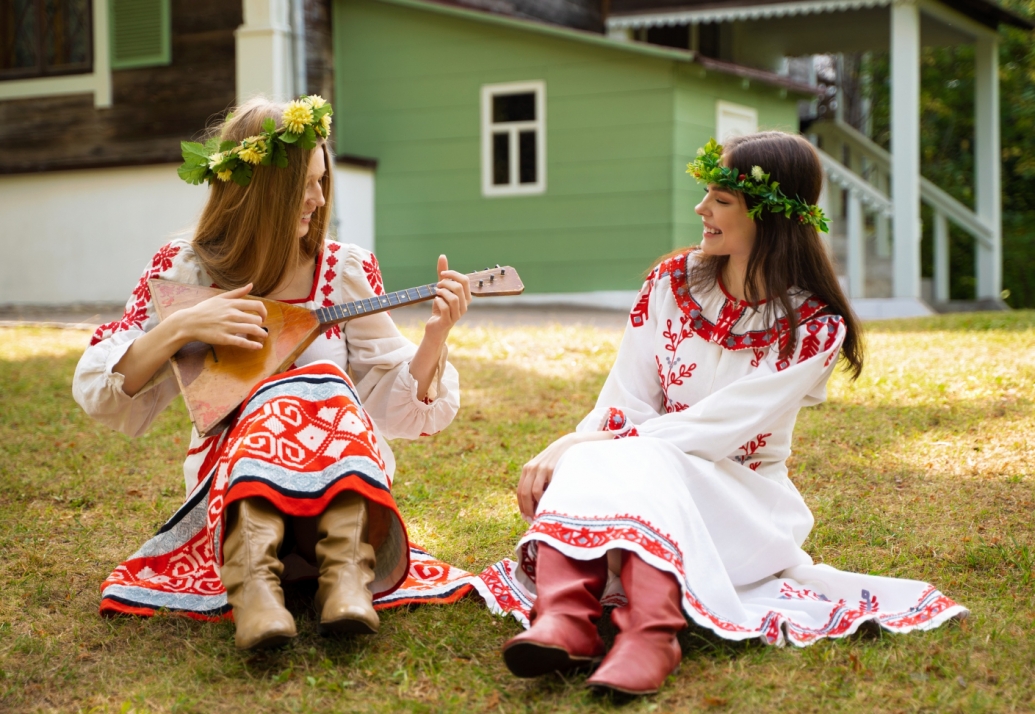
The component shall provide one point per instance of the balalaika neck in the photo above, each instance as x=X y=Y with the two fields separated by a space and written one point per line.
x=337 y=314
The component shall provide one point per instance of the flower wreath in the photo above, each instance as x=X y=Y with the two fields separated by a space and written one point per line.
x=707 y=168
x=304 y=120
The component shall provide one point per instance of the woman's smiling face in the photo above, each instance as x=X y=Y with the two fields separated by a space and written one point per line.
x=728 y=230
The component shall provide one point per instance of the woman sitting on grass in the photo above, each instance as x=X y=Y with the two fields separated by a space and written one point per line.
x=304 y=468
x=678 y=477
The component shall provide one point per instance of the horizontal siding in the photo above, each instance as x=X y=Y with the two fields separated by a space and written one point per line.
x=695 y=99
x=413 y=258
x=409 y=88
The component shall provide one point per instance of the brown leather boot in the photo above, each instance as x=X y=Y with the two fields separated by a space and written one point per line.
x=563 y=635
x=646 y=650
x=251 y=575
x=346 y=564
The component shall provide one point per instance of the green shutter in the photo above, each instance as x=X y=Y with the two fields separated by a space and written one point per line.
x=139 y=33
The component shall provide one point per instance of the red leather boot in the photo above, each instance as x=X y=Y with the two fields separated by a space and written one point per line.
x=646 y=650
x=564 y=618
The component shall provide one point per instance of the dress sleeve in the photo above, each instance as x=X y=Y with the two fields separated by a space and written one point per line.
x=96 y=387
x=631 y=394
x=379 y=359
x=717 y=425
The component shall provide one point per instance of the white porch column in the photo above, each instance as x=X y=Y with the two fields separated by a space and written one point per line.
x=856 y=247
x=264 y=51
x=941 y=257
x=987 y=165
x=905 y=147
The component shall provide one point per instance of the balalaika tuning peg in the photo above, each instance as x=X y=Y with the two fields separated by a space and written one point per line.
x=481 y=283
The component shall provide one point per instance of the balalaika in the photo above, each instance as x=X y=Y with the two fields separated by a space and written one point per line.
x=215 y=379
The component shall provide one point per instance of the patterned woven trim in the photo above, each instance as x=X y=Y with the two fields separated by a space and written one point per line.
x=570 y=533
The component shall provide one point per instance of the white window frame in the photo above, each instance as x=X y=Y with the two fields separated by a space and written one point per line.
x=740 y=115
x=97 y=82
x=514 y=188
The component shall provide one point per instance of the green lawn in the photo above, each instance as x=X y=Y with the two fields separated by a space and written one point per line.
x=924 y=468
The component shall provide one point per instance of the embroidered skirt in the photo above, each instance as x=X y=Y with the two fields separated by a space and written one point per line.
x=300 y=439
x=730 y=536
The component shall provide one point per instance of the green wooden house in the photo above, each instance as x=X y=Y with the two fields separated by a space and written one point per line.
x=558 y=151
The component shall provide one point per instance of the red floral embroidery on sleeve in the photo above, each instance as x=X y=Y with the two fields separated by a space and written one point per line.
x=136 y=310
x=750 y=449
x=373 y=271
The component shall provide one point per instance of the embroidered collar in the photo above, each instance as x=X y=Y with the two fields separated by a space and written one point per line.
x=730 y=313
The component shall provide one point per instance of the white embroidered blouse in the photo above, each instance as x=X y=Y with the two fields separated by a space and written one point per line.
x=703 y=371
x=371 y=349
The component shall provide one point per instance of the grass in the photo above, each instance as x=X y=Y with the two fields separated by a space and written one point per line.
x=924 y=468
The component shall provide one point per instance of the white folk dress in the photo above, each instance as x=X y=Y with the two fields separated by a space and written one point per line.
x=697 y=483
x=347 y=393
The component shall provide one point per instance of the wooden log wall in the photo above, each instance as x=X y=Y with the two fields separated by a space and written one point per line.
x=153 y=108
x=579 y=14
x=319 y=49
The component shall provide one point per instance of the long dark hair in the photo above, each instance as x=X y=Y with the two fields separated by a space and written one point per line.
x=786 y=253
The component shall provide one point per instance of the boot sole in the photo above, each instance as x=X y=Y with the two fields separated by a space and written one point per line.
x=529 y=659
x=345 y=627
x=603 y=689
x=268 y=643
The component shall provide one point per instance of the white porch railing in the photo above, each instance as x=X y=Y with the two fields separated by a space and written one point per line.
x=866 y=179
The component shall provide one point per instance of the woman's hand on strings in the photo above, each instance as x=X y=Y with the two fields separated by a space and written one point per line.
x=450 y=304
x=537 y=474
x=451 y=301
x=226 y=319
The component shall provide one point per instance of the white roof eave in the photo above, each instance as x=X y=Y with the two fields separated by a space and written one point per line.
x=743 y=12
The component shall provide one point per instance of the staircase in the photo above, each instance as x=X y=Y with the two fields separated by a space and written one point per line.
x=856 y=197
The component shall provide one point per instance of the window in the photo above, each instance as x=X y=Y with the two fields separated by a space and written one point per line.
x=140 y=35
x=42 y=38
x=513 y=139
x=734 y=120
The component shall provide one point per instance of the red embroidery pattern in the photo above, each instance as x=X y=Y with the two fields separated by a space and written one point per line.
x=673 y=372
x=749 y=450
x=329 y=280
x=281 y=440
x=136 y=310
x=810 y=343
x=505 y=592
x=721 y=331
x=759 y=354
x=789 y=593
x=633 y=530
x=641 y=310
x=373 y=271
x=617 y=422
x=592 y=533
x=428 y=581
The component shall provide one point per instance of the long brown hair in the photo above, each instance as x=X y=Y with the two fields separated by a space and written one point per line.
x=786 y=254
x=246 y=234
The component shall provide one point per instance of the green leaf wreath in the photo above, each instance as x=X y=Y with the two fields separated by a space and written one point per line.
x=707 y=168
x=305 y=120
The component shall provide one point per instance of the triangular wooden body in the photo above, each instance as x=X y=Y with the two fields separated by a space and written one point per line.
x=215 y=379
